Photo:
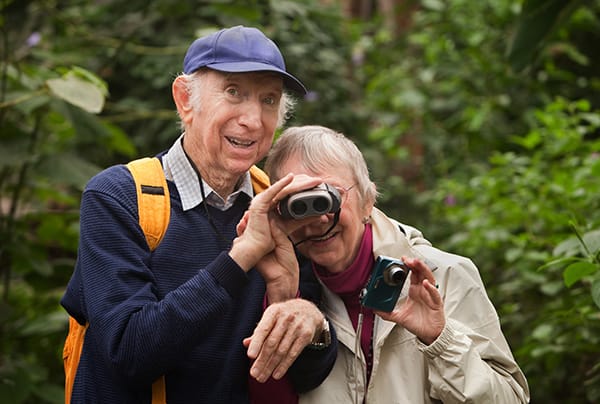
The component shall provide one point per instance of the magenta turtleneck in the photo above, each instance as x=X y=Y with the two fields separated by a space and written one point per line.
x=348 y=285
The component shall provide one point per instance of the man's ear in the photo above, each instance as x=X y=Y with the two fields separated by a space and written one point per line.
x=181 y=96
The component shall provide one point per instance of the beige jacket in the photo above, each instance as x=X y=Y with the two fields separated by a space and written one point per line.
x=470 y=362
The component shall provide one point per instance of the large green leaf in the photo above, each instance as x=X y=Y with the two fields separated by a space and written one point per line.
x=79 y=92
x=538 y=20
x=577 y=271
x=592 y=241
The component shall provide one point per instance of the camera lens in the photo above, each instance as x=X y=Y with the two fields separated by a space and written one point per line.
x=298 y=207
x=394 y=275
x=321 y=205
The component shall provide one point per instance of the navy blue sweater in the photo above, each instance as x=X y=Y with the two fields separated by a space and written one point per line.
x=180 y=311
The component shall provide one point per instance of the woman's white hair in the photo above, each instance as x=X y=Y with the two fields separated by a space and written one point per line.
x=194 y=88
x=321 y=150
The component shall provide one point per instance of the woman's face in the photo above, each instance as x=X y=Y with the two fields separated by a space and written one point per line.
x=338 y=249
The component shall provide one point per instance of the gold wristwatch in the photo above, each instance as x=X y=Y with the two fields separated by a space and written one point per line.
x=323 y=339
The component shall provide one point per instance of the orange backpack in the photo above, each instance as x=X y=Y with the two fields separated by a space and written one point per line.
x=154 y=209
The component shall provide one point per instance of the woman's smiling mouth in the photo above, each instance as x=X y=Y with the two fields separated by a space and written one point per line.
x=323 y=237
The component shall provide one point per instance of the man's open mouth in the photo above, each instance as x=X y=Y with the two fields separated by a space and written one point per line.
x=240 y=142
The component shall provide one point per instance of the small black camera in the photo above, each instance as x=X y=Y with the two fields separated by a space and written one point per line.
x=317 y=201
x=384 y=287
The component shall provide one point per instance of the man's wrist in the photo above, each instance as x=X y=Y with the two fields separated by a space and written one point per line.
x=280 y=293
x=242 y=255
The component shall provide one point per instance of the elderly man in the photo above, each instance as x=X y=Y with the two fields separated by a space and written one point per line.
x=213 y=311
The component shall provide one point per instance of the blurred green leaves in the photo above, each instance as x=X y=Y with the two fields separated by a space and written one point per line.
x=537 y=21
x=542 y=199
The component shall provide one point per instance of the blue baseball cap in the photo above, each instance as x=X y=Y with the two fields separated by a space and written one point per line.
x=238 y=50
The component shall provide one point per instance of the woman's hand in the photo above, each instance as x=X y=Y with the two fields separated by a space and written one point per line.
x=423 y=311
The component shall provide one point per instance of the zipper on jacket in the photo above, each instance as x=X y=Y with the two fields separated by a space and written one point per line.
x=358 y=348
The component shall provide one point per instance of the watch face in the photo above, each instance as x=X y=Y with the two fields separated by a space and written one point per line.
x=324 y=339
x=326 y=333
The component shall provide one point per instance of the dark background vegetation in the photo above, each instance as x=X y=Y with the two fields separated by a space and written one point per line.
x=480 y=121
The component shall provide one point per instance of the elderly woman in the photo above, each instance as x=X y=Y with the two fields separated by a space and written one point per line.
x=441 y=342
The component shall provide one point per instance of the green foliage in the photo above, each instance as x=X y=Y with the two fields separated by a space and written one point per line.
x=538 y=19
x=44 y=111
x=442 y=96
x=532 y=224
x=491 y=163
x=444 y=102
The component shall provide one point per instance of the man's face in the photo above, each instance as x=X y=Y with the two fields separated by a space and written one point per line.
x=233 y=126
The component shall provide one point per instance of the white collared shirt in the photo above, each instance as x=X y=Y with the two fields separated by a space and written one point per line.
x=178 y=169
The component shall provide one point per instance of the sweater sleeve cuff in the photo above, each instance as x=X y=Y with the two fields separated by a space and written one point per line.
x=440 y=344
x=228 y=274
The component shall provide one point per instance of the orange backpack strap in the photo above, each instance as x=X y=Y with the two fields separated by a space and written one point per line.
x=260 y=180
x=154 y=207
x=154 y=210
x=159 y=391
x=71 y=354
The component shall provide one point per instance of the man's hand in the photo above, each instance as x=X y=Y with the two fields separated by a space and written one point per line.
x=283 y=332
x=254 y=239
x=423 y=311
x=278 y=266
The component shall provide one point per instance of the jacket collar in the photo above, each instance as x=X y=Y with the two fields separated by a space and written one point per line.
x=390 y=240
